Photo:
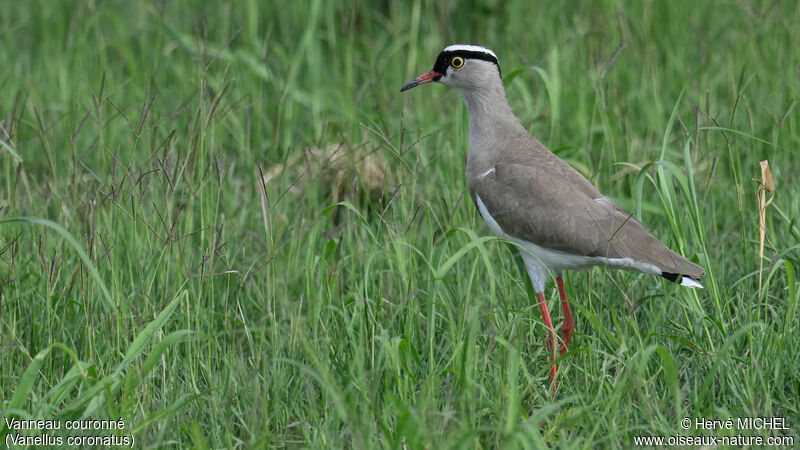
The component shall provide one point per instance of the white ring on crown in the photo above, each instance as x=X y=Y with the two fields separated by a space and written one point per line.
x=470 y=48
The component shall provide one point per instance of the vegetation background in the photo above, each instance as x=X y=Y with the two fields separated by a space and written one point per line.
x=222 y=222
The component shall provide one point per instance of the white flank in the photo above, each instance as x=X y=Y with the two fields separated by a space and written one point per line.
x=688 y=282
x=470 y=48
x=559 y=261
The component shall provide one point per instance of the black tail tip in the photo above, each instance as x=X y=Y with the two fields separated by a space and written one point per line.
x=683 y=280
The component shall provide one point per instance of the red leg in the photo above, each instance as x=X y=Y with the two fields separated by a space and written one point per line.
x=569 y=323
x=551 y=336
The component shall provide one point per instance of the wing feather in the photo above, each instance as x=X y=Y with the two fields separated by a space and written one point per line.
x=570 y=216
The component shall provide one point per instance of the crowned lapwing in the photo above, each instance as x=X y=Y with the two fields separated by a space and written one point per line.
x=529 y=196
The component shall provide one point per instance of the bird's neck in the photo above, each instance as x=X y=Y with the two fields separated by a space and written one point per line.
x=490 y=120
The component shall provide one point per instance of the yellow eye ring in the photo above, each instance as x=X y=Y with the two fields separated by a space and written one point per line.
x=457 y=62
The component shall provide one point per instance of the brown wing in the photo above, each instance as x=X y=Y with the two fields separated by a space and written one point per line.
x=568 y=214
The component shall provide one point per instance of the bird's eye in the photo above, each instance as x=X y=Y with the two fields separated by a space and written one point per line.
x=457 y=62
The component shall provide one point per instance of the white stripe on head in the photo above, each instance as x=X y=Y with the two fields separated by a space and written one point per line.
x=470 y=48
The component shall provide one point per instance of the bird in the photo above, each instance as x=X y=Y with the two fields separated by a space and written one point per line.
x=529 y=196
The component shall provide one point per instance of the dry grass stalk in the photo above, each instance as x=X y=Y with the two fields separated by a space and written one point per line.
x=765 y=184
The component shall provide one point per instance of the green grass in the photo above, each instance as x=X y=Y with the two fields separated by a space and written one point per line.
x=148 y=273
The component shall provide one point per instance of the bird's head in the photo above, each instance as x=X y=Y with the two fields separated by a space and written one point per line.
x=463 y=66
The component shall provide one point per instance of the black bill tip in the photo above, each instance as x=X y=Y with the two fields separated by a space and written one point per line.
x=409 y=85
x=422 y=79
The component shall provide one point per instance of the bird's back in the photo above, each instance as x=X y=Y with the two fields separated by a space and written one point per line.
x=535 y=196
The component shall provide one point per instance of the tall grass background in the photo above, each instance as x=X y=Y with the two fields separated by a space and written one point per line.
x=222 y=222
